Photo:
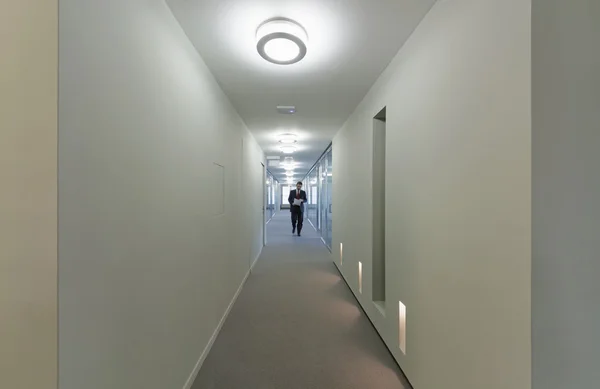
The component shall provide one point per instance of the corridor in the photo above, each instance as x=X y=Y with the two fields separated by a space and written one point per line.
x=447 y=152
x=296 y=325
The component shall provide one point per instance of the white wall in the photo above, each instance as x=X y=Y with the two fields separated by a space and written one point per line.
x=147 y=265
x=566 y=194
x=458 y=196
x=28 y=133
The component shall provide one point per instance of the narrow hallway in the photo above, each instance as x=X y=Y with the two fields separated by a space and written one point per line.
x=296 y=325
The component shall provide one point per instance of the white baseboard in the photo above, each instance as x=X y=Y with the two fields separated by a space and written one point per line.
x=213 y=338
x=256 y=259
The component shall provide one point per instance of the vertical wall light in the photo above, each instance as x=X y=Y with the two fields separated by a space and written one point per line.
x=341 y=254
x=360 y=277
x=402 y=327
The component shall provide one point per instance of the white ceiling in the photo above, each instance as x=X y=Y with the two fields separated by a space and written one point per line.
x=350 y=44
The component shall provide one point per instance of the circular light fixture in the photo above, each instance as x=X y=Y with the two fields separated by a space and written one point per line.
x=281 y=41
x=288 y=149
x=289 y=173
x=288 y=163
x=287 y=139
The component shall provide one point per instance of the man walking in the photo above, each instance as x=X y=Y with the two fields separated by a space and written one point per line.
x=297 y=199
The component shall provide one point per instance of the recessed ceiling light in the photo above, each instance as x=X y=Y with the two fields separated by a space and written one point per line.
x=281 y=41
x=288 y=149
x=287 y=139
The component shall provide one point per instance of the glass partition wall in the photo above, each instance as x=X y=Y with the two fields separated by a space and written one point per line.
x=319 y=185
x=272 y=196
x=329 y=214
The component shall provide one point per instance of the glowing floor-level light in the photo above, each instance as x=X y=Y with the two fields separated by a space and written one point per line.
x=402 y=327
x=360 y=277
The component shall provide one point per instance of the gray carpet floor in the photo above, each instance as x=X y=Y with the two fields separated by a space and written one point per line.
x=296 y=325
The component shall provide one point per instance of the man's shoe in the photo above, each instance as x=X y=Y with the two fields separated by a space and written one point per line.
x=293 y=230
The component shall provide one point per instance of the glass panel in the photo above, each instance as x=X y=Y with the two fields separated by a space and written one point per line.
x=314 y=202
x=319 y=187
x=306 y=188
x=268 y=199
x=323 y=199
x=272 y=199
x=285 y=192
x=329 y=229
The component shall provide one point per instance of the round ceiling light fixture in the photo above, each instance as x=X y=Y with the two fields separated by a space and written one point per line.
x=288 y=163
x=288 y=139
x=288 y=149
x=281 y=41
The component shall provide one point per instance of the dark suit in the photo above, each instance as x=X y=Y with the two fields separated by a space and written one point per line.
x=297 y=211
